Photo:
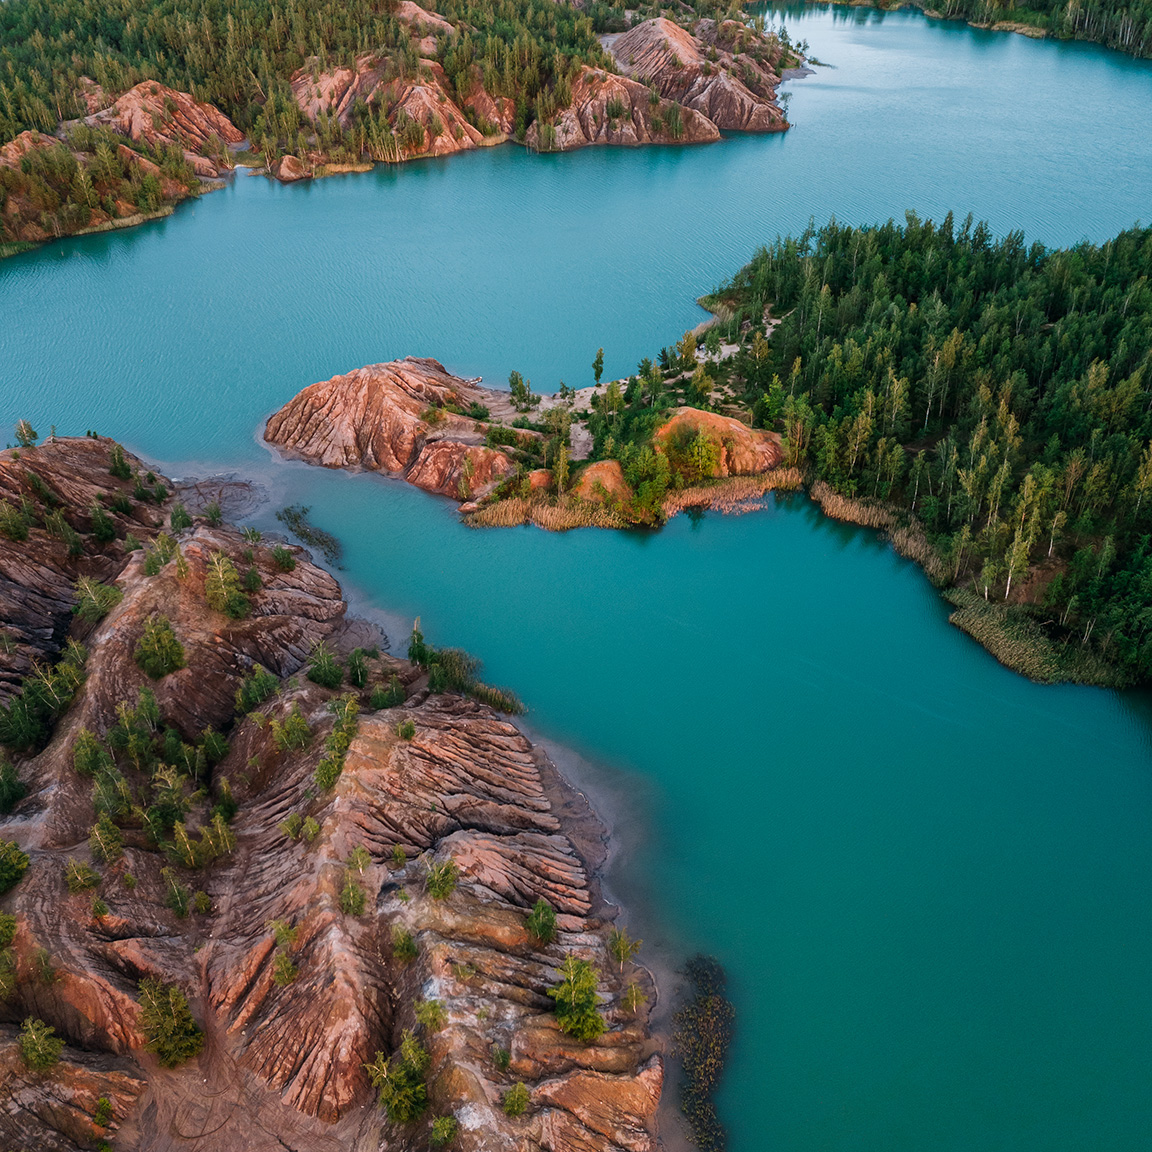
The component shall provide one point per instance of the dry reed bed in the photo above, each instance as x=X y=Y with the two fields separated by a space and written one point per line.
x=556 y=516
x=908 y=538
x=733 y=493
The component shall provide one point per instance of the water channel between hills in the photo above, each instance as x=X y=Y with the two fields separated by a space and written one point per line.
x=927 y=878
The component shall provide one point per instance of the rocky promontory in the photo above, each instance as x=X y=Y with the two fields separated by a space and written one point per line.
x=273 y=899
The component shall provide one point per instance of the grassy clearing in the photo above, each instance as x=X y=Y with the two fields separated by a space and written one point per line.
x=556 y=514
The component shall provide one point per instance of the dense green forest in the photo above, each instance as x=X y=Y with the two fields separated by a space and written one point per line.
x=1127 y=27
x=996 y=392
x=238 y=54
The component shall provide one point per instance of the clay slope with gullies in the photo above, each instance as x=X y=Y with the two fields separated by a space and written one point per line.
x=727 y=74
x=405 y=417
x=296 y=989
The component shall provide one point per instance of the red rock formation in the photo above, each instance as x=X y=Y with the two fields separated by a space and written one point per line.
x=52 y=1111
x=744 y=451
x=162 y=116
x=378 y=418
x=636 y=121
x=601 y=480
x=289 y=169
x=284 y=1060
x=735 y=90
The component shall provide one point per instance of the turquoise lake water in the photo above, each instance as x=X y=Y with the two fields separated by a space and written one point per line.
x=928 y=879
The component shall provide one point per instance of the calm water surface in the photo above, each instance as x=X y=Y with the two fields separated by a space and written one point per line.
x=928 y=879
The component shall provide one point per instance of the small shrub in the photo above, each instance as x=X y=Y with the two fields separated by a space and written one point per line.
x=516 y=1100
x=118 y=466
x=391 y=696
x=399 y=856
x=283 y=558
x=40 y=1047
x=99 y=908
x=293 y=733
x=201 y=903
x=400 y=1080
x=501 y=1057
x=431 y=1014
x=222 y=588
x=541 y=922
x=80 y=877
x=359 y=859
x=576 y=1004
x=323 y=667
x=102 y=1117
x=291 y=825
x=13 y=526
x=406 y=730
x=310 y=830
x=358 y=668
x=131 y=544
x=214 y=514
x=622 y=947
x=44 y=969
x=634 y=998
x=178 y=897
x=13 y=865
x=158 y=652
x=167 y=1023
x=443 y=1127
x=8 y=925
x=283 y=970
x=104 y=841
x=442 y=879
x=95 y=600
x=253 y=582
x=353 y=898
x=254 y=689
x=180 y=518
x=103 y=526
x=403 y=944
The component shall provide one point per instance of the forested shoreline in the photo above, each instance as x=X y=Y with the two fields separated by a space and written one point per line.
x=1125 y=27
x=995 y=393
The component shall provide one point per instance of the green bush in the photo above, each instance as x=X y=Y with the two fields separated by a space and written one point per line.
x=158 y=652
x=118 y=466
x=406 y=729
x=102 y=1117
x=444 y=1127
x=105 y=841
x=576 y=1004
x=400 y=1081
x=323 y=667
x=8 y=925
x=283 y=558
x=13 y=865
x=293 y=733
x=167 y=1023
x=391 y=696
x=431 y=1014
x=358 y=668
x=79 y=876
x=180 y=518
x=442 y=879
x=95 y=600
x=283 y=970
x=13 y=525
x=103 y=526
x=516 y=1100
x=254 y=689
x=403 y=944
x=353 y=898
x=541 y=922
x=40 y=1047
x=222 y=588
x=310 y=830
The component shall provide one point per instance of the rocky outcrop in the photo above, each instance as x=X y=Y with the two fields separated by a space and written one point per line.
x=726 y=74
x=289 y=169
x=603 y=480
x=395 y=418
x=163 y=117
x=290 y=1024
x=608 y=109
x=38 y=574
x=55 y=1110
x=743 y=451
